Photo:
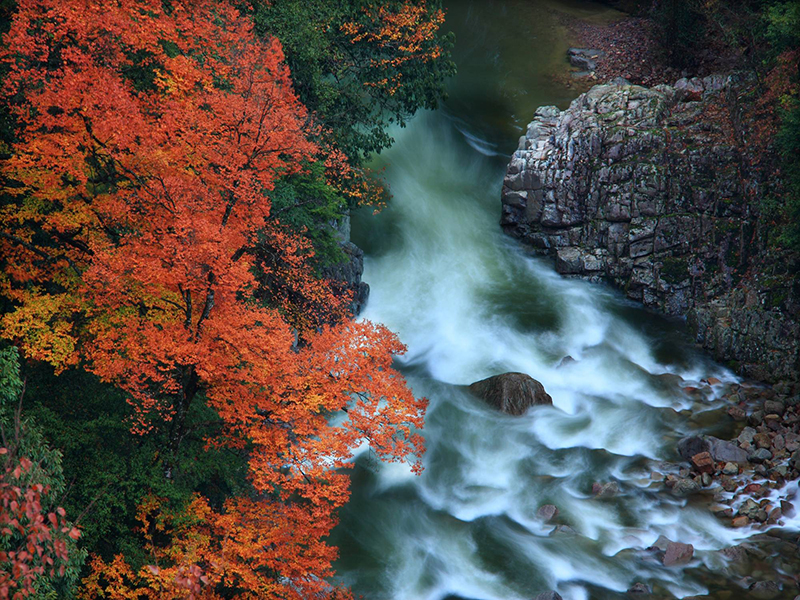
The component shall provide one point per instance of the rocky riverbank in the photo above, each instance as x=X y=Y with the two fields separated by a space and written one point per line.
x=653 y=191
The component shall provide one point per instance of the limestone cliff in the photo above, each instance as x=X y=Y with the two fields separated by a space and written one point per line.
x=652 y=190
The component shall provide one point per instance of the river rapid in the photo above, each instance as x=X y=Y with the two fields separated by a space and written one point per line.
x=470 y=303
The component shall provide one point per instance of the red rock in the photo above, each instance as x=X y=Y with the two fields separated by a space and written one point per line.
x=703 y=462
x=752 y=488
x=737 y=413
x=713 y=381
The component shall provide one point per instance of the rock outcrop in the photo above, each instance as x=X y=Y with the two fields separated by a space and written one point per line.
x=652 y=190
x=346 y=275
x=512 y=393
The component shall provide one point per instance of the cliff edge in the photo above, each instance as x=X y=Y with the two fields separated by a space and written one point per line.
x=653 y=190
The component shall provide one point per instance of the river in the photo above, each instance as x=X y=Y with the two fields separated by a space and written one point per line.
x=470 y=303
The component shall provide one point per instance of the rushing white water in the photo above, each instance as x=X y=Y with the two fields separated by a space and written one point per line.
x=470 y=303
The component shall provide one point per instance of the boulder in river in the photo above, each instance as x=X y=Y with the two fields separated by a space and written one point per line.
x=692 y=445
x=549 y=596
x=765 y=590
x=722 y=451
x=512 y=393
x=678 y=554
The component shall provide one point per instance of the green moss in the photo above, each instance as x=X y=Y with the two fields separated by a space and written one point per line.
x=674 y=270
x=776 y=299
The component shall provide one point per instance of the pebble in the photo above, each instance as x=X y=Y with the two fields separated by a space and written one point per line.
x=740 y=521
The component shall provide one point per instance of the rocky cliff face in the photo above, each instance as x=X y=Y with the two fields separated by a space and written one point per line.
x=346 y=275
x=652 y=190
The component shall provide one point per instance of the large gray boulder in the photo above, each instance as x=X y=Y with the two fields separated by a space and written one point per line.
x=692 y=445
x=512 y=393
x=722 y=451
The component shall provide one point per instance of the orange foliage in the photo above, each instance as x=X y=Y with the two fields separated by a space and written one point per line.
x=149 y=142
x=401 y=35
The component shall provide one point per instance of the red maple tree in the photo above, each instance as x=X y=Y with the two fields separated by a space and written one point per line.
x=150 y=136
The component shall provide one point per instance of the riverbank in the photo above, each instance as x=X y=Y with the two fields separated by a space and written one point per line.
x=631 y=49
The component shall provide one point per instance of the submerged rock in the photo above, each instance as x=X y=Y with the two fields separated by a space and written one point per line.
x=512 y=393
x=765 y=590
x=546 y=513
x=605 y=490
x=639 y=588
x=548 y=596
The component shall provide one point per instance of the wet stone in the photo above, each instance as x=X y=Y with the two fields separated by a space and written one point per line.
x=759 y=456
x=794 y=462
x=605 y=490
x=546 y=513
x=773 y=421
x=730 y=469
x=765 y=590
x=729 y=485
x=774 y=407
x=689 y=446
x=740 y=521
x=723 y=451
x=747 y=435
x=512 y=393
x=639 y=588
x=703 y=462
x=685 y=486
x=678 y=554
x=762 y=440
x=548 y=596
x=737 y=413
x=735 y=554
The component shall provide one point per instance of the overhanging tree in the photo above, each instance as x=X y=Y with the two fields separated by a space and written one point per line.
x=150 y=138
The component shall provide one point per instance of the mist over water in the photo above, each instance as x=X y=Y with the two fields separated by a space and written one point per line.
x=470 y=303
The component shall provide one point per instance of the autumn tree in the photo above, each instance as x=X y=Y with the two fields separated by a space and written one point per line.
x=151 y=137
